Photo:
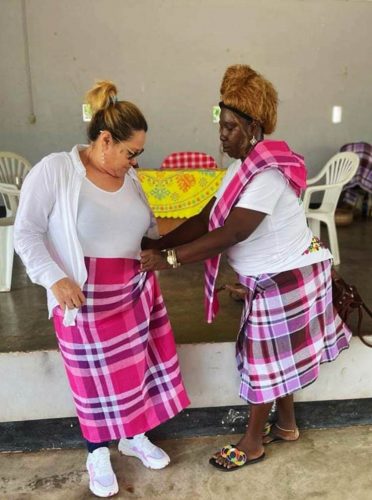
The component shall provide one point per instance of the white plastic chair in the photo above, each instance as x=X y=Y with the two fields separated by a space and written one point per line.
x=13 y=170
x=10 y=194
x=338 y=171
x=6 y=253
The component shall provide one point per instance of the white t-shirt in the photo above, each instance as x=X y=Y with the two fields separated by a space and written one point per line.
x=279 y=241
x=111 y=224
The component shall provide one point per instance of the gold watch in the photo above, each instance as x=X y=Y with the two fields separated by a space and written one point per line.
x=171 y=257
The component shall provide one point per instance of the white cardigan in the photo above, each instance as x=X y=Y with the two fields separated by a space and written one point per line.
x=45 y=235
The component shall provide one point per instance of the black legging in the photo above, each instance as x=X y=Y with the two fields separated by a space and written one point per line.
x=93 y=446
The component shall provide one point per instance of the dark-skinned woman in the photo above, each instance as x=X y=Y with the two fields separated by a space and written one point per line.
x=289 y=326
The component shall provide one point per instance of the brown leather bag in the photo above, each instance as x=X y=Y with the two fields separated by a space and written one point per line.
x=346 y=300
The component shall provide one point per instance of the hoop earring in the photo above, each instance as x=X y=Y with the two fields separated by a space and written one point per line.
x=253 y=141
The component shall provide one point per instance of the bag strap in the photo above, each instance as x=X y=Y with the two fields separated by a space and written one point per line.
x=369 y=312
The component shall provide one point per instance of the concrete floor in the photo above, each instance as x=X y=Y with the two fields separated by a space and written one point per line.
x=332 y=464
x=24 y=325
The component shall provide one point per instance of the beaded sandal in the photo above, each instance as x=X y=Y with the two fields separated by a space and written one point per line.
x=235 y=457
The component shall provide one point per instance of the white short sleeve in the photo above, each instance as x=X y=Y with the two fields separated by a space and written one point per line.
x=263 y=192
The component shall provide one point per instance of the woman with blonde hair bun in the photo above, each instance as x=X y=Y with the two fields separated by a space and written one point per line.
x=79 y=226
x=289 y=326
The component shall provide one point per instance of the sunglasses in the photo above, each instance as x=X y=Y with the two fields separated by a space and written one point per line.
x=133 y=154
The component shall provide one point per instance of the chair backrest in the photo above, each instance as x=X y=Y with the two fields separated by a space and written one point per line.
x=189 y=159
x=338 y=171
x=13 y=168
x=341 y=168
x=10 y=194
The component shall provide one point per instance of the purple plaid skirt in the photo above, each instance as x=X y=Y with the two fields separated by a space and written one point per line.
x=120 y=357
x=289 y=327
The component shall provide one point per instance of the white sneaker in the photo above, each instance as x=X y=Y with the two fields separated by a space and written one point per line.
x=141 y=447
x=102 y=479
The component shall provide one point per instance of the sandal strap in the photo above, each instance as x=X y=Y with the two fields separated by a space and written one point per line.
x=225 y=450
x=236 y=456
x=267 y=429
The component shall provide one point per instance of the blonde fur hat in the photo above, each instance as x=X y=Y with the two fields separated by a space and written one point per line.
x=248 y=91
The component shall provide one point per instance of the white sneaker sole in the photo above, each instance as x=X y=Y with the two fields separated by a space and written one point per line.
x=150 y=465
x=102 y=492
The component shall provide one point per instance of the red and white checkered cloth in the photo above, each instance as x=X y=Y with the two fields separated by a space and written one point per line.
x=189 y=159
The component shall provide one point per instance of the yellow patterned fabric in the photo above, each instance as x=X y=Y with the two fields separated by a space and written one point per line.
x=179 y=193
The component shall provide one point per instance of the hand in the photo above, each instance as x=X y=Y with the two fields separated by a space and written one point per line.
x=68 y=294
x=153 y=260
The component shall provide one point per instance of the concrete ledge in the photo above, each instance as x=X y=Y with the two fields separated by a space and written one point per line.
x=33 y=385
x=65 y=432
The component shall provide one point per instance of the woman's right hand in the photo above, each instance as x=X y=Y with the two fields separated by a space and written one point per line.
x=153 y=260
x=68 y=294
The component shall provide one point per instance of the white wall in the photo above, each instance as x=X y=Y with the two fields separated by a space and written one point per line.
x=33 y=385
x=168 y=56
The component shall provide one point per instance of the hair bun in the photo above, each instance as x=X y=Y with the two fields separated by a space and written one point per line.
x=238 y=75
x=102 y=95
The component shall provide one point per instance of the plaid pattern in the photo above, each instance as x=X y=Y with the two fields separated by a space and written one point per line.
x=363 y=177
x=121 y=358
x=266 y=154
x=189 y=159
x=289 y=327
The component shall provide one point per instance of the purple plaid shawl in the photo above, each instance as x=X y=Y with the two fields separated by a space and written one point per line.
x=266 y=154
x=363 y=176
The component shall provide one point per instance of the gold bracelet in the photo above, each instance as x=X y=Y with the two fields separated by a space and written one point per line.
x=171 y=257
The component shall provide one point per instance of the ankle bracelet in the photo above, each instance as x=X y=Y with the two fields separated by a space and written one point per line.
x=285 y=430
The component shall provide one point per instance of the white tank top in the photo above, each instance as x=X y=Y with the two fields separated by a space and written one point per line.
x=111 y=224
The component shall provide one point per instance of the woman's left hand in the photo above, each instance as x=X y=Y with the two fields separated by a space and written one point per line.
x=153 y=260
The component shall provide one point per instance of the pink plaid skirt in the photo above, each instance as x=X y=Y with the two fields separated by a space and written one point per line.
x=120 y=358
x=289 y=327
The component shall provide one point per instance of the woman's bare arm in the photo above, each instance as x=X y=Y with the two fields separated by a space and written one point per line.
x=190 y=230
x=239 y=225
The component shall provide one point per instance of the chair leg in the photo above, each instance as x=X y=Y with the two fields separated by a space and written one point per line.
x=333 y=242
x=6 y=258
x=314 y=225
